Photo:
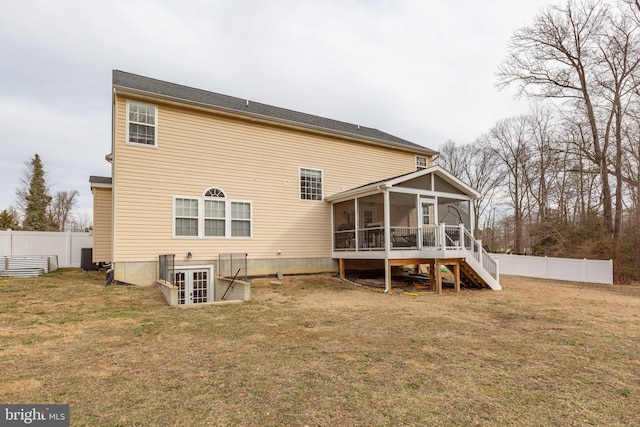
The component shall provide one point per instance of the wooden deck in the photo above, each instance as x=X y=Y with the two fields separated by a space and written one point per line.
x=462 y=272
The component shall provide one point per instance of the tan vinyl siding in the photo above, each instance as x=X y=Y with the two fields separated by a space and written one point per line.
x=101 y=224
x=250 y=162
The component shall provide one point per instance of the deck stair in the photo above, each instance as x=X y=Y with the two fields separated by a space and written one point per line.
x=478 y=268
x=470 y=278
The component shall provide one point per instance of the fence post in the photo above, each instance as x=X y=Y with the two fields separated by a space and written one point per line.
x=69 y=251
x=584 y=270
x=9 y=242
x=611 y=270
x=546 y=267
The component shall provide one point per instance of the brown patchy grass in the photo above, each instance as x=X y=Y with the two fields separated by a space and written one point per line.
x=316 y=351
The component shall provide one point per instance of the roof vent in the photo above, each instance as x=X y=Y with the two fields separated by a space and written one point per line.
x=358 y=127
x=247 y=102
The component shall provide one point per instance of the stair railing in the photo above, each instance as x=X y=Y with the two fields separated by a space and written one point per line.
x=482 y=256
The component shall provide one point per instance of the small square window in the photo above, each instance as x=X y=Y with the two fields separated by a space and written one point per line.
x=421 y=163
x=310 y=184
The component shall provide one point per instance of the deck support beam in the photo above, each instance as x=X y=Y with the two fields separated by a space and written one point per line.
x=435 y=270
x=456 y=276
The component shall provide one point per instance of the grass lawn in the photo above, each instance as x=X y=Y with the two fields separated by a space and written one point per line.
x=316 y=351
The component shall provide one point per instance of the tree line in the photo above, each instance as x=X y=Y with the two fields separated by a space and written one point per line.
x=564 y=179
x=39 y=210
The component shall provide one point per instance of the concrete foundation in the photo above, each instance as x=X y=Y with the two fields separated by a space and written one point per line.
x=146 y=273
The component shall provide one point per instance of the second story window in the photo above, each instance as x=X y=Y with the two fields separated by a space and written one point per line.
x=421 y=163
x=310 y=184
x=141 y=124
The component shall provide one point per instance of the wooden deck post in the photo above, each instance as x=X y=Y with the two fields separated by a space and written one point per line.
x=438 y=277
x=342 y=275
x=432 y=276
x=456 y=276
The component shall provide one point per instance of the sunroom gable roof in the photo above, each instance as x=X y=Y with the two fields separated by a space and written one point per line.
x=396 y=180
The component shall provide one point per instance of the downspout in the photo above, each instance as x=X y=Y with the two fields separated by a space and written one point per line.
x=387 y=240
x=114 y=112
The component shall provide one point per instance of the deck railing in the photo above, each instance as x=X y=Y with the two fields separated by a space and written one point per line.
x=441 y=237
x=371 y=239
x=482 y=256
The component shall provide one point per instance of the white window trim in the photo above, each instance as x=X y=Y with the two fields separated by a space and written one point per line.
x=204 y=218
x=227 y=219
x=426 y=163
x=299 y=184
x=155 y=127
x=173 y=218
x=230 y=219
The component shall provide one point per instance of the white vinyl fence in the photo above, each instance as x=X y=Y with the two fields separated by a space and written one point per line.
x=574 y=270
x=67 y=246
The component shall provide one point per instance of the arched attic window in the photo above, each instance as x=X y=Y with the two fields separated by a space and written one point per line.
x=214 y=192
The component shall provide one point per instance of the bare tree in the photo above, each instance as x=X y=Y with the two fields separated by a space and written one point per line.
x=557 y=57
x=61 y=207
x=455 y=158
x=82 y=222
x=477 y=166
x=619 y=79
x=544 y=158
x=510 y=142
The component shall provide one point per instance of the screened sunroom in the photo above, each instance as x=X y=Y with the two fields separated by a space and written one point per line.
x=421 y=217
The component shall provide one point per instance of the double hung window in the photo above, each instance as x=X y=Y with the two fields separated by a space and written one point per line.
x=186 y=217
x=141 y=123
x=214 y=218
x=240 y=219
x=421 y=163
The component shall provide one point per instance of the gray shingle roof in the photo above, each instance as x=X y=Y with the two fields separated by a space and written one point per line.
x=251 y=108
x=99 y=180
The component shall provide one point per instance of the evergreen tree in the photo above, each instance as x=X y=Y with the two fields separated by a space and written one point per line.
x=37 y=199
x=8 y=219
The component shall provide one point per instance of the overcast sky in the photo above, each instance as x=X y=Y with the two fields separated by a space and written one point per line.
x=422 y=70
